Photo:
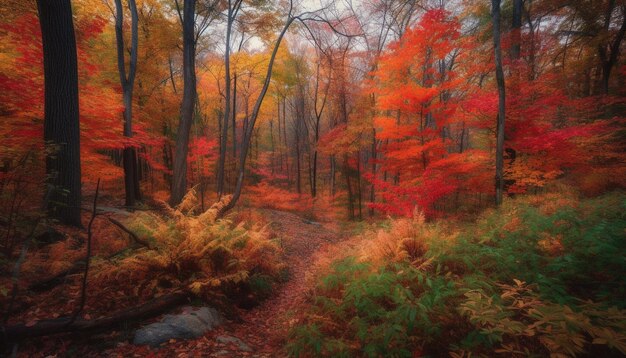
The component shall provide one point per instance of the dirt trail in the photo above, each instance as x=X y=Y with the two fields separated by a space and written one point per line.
x=266 y=326
x=263 y=330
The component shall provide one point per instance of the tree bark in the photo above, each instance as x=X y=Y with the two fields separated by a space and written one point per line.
x=234 y=116
x=499 y=183
x=346 y=174
x=61 y=119
x=373 y=173
x=610 y=59
x=298 y=155
x=179 y=185
x=318 y=117
x=516 y=29
x=221 y=169
x=131 y=175
x=272 y=145
x=358 y=184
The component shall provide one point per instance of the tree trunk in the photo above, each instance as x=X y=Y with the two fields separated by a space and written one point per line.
x=131 y=175
x=247 y=135
x=61 y=120
x=516 y=29
x=234 y=116
x=285 y=139
x=272 y=146
x=298 y=179
x=373 y=167
x=179 y=185
x=332 y=175
x=358 y=184
x=346 y=174
x=221 y=168
x=318 y=118
x=280 y=143
x=609 y=60
x=314 y=175
x=501 y=103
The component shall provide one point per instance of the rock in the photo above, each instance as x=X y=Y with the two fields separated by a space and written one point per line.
x=192 y=323
x=210 y=316
x=236 y=341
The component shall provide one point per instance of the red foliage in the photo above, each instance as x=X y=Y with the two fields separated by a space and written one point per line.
x=425 y=153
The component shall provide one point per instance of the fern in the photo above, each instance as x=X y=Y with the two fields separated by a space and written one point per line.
x=195 y=252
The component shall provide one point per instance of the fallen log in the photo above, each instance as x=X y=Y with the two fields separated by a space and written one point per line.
x=13 y=333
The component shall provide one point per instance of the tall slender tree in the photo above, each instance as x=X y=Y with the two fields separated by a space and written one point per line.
x=495 y=15
x=233 y=9
x=179 y=182
x=61 y=120
x=248 y=131
x=516 y=25
x=131 y=177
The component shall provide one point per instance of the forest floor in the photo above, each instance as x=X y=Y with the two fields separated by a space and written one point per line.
x=263 y=330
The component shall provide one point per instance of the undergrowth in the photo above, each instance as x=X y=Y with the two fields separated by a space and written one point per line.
x=540 y=276
x=209 y=257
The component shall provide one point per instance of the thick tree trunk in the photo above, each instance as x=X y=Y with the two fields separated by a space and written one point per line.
x=610 y=60
x=501 y=103
x=179 y=185
x=131 y=176
x=61 y=120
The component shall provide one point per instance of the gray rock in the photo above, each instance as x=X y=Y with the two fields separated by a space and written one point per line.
x=154 y=334
x=234 y=340
x=210 y=316
x=192 y=323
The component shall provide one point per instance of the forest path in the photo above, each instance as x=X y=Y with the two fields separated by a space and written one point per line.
x=265 y=327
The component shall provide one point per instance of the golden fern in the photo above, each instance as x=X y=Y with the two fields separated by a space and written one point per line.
x=199 y=252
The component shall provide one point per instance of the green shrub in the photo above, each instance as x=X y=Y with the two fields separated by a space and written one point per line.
x=390 y=311
x=570 y=253
x=566 y=258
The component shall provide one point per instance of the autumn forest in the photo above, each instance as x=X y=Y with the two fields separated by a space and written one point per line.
x=312 y=178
